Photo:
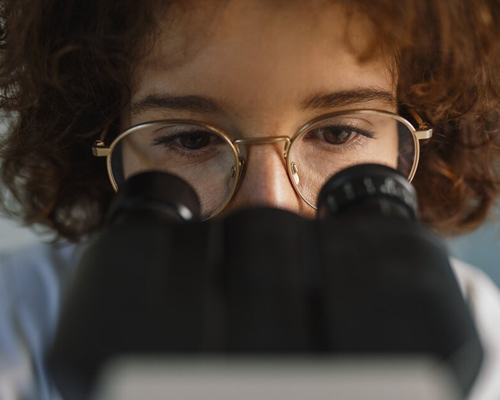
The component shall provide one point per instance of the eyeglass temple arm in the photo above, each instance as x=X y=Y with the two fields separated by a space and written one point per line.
x=424 y=131
x=99 y=149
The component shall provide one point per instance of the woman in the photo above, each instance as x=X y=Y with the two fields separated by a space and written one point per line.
x=76 y=74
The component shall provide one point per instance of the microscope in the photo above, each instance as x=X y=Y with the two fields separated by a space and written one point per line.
x=363 y=279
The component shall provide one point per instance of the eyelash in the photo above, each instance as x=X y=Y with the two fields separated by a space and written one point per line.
x=356 y=141
x=165 y=141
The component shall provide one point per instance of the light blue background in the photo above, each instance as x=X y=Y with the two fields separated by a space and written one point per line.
x=480 y=248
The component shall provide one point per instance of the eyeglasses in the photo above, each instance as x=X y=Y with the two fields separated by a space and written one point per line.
x=213 y=164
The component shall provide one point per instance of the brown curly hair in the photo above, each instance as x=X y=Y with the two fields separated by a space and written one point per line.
x=64 y=77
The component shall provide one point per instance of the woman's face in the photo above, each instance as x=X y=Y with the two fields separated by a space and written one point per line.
x=259 y=68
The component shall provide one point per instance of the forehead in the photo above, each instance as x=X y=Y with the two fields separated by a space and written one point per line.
x=257 y=55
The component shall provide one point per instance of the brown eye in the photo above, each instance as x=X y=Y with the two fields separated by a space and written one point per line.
x=194 y=140
x=336 y=135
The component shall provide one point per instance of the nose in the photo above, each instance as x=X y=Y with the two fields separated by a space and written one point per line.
x=265 y=182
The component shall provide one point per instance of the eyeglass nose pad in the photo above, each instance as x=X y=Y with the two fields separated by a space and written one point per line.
x=295 y=173
x=232 y=177
x=232 y=174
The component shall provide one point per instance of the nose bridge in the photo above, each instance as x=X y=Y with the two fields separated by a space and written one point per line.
x=265 y=180
x=265 y=165
x=264 y=140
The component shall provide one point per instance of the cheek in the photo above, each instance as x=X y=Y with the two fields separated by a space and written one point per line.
x=132 y=162
x=387 y=150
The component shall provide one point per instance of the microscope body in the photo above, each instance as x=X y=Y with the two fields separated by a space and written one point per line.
x=367 y=279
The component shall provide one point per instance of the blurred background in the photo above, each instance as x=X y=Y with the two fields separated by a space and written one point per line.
x=480 y=248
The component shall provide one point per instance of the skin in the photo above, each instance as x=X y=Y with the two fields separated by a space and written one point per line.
x=259 y=60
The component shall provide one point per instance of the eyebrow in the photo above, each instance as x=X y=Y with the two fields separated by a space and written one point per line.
x=346 y=98
x=197 y=104
x=206 y=105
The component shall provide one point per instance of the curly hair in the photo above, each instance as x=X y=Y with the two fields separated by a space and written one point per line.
x=64 y=77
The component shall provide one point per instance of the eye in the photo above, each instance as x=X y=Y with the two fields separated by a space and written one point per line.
x=336 y=135
x=190 y=140
x=194 y=140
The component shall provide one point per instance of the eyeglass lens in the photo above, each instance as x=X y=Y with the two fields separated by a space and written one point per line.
x=336 y=143
x=207 y=160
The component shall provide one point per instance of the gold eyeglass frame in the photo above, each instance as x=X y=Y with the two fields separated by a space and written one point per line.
x=424 y=131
